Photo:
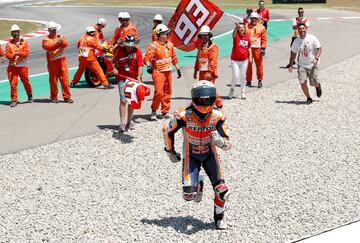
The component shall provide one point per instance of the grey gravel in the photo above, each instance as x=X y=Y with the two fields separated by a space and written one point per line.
x=293 y=172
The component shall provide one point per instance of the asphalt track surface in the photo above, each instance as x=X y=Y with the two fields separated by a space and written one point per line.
x=30 y=125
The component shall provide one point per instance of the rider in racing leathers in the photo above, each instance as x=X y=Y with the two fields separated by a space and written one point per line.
x=203 y=128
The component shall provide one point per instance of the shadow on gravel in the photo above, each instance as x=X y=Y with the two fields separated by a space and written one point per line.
x=186 y=225
x=123 y=137
x=293 y=102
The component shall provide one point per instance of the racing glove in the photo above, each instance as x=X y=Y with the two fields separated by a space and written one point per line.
x=149 y=69
x=178 y=73
x=173 y=155
x=219 y=141
x=262 y=51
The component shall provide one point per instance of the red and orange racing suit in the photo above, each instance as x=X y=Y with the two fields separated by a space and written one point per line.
x=198 y=149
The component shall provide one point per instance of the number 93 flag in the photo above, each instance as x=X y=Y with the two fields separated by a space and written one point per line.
x=187 y=20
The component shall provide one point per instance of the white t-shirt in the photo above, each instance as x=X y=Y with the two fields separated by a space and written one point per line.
x=307 y=50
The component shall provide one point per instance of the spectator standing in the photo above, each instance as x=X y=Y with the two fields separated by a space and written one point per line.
x=264 y=15
x=296 y=22
x=240 y=57
x=248 y=13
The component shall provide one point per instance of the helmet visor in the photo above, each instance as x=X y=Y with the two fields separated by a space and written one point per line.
x=203 y=96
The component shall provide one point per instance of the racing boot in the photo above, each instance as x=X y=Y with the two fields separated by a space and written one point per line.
x=221 y=196
x=219 y=218
x=199 y=194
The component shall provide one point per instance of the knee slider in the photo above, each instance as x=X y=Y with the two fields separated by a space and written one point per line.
x=189 y=193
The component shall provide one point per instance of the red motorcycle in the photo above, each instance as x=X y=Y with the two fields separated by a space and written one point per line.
x=105 y=59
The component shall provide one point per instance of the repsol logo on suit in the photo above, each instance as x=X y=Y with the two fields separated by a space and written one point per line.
x=202 y=128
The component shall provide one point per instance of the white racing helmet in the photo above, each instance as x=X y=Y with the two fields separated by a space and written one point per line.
x=15 y=27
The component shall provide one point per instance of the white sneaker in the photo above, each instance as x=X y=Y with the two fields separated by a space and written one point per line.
x=231 y=93
x=153 y=116
x=243 y=96
x=199 y=194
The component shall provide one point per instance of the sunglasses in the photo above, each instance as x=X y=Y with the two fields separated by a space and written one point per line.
x=301 y=12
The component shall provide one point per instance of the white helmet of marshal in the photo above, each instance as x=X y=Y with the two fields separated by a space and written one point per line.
x=204 y=30
x=15 y=27
x=52 y=25
x=90 y=29
x=102 y=21
x=161 y=28
x=126 y=15
x=158 y=17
